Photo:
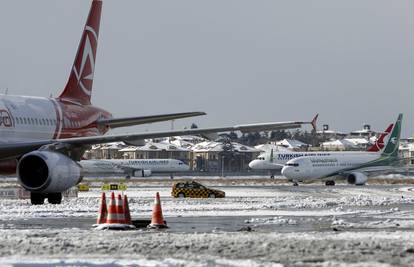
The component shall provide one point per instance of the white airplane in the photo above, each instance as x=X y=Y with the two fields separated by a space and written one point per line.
x=353 y=166
x=273 y=161
x=43 y=139
x=133 y=167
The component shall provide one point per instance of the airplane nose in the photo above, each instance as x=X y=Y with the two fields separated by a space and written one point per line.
x=186 y=167
x=253 y=164
x=287 y=172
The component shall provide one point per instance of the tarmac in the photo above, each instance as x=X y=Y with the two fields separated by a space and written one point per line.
x=259 y=223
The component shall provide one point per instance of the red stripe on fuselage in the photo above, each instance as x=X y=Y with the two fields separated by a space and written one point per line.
x=80 y=120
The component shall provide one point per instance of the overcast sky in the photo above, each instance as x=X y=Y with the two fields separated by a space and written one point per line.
x=240 y=61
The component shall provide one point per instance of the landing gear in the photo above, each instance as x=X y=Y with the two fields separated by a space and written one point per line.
x=295 y=184
x=54 y=198
x=330 y=183
x=272 y=176
x=39 y=198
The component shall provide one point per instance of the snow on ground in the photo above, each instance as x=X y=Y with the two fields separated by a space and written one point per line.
x=223 y=249
x=280 y=200
x=309 y=225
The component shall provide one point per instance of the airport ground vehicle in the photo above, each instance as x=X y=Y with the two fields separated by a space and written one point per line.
x=195 y=190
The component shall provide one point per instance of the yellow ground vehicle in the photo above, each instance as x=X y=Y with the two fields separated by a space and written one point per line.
x=194 y=190
x=83 y=187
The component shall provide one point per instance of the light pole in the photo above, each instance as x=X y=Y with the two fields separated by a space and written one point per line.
x=222 y=166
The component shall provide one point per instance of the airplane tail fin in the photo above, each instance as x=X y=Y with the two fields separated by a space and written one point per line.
x=79 y=86
x=391 y=148
x=313 y=122
x=379 y=143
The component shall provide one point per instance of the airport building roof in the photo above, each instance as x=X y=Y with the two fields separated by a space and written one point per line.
x=152 y=146
x=212 y=146
x=292 y=144
x=338 y=144
x=269 y=147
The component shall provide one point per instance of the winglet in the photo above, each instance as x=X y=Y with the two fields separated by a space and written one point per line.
x=313 y=122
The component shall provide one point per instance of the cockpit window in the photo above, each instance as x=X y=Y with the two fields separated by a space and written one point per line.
x=292 y=164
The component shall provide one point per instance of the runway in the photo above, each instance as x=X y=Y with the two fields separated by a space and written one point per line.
x=255 y=225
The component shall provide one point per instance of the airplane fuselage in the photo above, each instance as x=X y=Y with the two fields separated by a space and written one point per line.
x=266 y=161
x=29 y=119
x=122 y=165
x=316 y=167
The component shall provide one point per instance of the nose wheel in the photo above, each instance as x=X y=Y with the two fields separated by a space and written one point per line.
x=330 y=183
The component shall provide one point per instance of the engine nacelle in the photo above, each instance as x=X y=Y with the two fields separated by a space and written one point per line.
x=142 y=173
x=48 y=172
x=357 y=178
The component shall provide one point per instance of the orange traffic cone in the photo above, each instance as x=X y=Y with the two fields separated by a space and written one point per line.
x=120 y=209
x=126 y=211
x=103 y=211
x=112 y=216
x=157 y=220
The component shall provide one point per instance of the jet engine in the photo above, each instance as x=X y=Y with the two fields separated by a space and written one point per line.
x=357 y=178
x=48 y=172
x=142 y=173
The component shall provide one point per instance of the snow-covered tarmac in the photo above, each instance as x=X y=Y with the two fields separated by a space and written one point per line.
x=259 y=223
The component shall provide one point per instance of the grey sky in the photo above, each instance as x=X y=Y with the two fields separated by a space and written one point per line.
x=239 y=61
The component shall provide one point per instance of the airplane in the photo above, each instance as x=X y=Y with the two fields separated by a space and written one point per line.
x=275 y=160
x=353 y=166
x=133 y=167
x=43 y=139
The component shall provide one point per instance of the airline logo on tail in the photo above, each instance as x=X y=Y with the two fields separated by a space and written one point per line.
x=85 y=73
x=79 y=86
x=391 y=149
x=379 y=144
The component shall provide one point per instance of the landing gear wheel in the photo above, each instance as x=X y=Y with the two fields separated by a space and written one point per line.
x=272 y=176
x=211 y=195
x=37 y=198
x=181 y=195
x=54 y=198
x=330 y=183
x=295 y=184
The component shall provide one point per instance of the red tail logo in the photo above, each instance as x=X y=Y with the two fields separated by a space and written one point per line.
x=79 y=86
x=379 y=144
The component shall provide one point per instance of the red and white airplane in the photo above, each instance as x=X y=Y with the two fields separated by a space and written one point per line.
x=42 y=139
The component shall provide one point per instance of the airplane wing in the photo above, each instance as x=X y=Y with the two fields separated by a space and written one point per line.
x=147 y=135
x=15 y=150
x=131 y=121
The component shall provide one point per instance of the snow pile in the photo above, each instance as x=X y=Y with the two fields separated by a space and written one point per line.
x=377 y=224
x=279 y=220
